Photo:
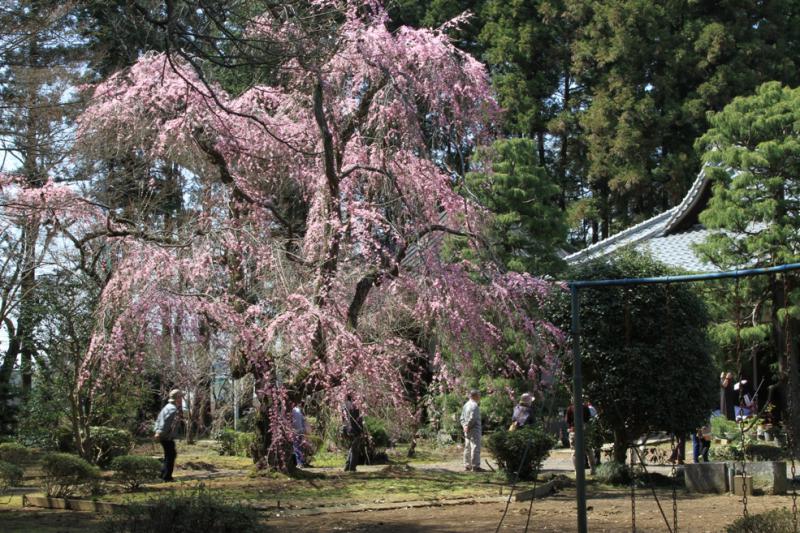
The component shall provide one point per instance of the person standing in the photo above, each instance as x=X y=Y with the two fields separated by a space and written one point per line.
x=353 y=426
x=701 y=443
x=587 y=438
x=728 y=399
x=523 y=412
x=166 y=430
x=471 y=424
x=298 y=442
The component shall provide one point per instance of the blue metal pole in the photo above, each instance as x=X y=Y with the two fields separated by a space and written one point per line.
x=577 y=410
x=684 y=278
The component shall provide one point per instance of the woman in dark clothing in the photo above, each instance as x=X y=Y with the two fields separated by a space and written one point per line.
x=728 y=398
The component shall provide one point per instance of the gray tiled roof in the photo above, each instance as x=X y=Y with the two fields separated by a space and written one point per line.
x=629 y=237
x=661 y=235
x=676 y=250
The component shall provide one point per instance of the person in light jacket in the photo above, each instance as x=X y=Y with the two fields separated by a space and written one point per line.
x=166 y=430
x=298 y=442
x=471 y=424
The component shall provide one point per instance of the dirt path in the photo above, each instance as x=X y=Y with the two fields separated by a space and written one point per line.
x=609 y=511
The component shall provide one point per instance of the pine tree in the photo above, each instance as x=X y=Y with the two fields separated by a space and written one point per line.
x=528 y=227
x=753 y=153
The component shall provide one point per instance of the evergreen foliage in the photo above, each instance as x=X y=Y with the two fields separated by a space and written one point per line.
x=10 y=476
x=520 y=453
x=134 y=470
x=644 y=351
x=14 y=452
x=63 y=474
x=528 y=226
x=752 y=151
x=198 y=510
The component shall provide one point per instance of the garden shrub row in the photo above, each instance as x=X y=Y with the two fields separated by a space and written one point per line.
x=10 y=476
x=14 y=452
x=186 y=512
x=65 y=474
x=134 y=470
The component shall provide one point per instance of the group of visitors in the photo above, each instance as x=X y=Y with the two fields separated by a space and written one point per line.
x=471 y=424
x=736 y=401
x=169 y=420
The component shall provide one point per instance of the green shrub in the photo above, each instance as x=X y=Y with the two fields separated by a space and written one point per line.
x=235 y=443
x=64 y=440
x=376 y=429
x=197 y=510
x=244 y=443
x=721 y=426
x=226 y=442
x=775 y=521
x=14 y=452
x=10 y=476
x=753 y=452
x=613 y=473
x=725 y=452
x=63 y=474
x=133 y=470
x=108 y=443
x=376 y=443
x=508 y=448
x=446 y=414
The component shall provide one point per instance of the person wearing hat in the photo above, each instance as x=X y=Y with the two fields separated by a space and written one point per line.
x=523 y=412
x=166 y=429
x=471 y=424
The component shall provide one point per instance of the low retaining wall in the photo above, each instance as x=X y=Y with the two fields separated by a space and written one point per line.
x=70 y=504
x=768 y=476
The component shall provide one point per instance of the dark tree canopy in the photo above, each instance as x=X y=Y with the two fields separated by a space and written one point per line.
x=645 y=352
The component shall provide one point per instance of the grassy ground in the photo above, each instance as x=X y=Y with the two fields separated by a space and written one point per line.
x=317 y=489
x=428 y=475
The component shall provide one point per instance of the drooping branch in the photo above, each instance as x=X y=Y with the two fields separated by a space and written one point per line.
x=226 y=177
x=374 y=278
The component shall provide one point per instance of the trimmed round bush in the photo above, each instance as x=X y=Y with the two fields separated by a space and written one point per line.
x=64 y=474
x=134 y=470
x=108 y=443
x=10 y=476
x=184 y=512
x=775 y=521
x=509 y=450
x=14 y=452
x=613 y=473
x=379 y=437
x=235 y=443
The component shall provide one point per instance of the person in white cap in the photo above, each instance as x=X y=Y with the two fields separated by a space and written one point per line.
x=471 y=424
x=166 y=429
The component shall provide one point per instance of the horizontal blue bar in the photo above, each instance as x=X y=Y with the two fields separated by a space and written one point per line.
x=579 y=284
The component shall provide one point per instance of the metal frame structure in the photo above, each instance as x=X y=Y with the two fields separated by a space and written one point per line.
x=577 y=398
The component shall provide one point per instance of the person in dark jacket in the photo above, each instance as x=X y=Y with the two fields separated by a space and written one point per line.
x=523 y=412
x=728 y=398
x=166 y=430
x=353 y=427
